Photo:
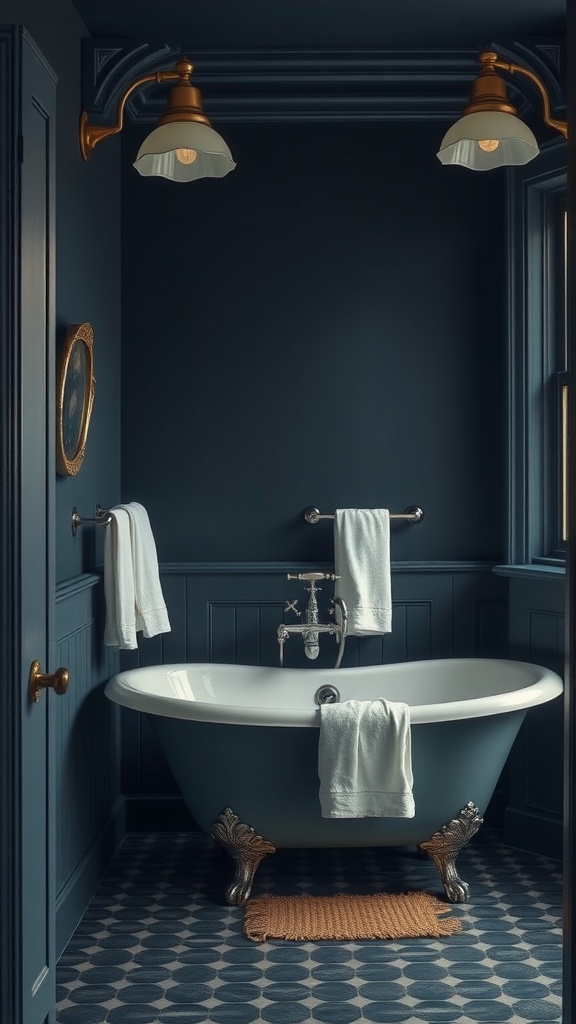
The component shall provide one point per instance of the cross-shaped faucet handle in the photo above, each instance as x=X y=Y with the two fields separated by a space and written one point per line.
x=291 y=607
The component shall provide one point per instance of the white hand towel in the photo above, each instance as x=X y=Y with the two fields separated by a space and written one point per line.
x=120 y=624
x=365 y=760
x=151 y=613
x=362 y=560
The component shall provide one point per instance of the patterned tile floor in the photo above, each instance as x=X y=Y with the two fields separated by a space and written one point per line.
x=157 y=945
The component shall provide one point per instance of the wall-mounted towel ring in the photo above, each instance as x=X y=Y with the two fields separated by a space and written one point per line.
x=102 y=517
x=412 y=514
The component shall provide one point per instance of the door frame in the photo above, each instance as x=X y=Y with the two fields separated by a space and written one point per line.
x=10 y=752
x=28 y=85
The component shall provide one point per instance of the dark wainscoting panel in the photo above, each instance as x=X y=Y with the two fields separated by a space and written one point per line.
x=533 y=818
x=230 y=612
x=87 y=752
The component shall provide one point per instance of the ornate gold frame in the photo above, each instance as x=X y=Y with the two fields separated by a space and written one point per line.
x=68 y=464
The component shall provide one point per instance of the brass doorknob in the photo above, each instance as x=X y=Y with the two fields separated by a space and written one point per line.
x=37 y=681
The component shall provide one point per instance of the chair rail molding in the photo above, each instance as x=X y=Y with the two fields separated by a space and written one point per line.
x=281 y=568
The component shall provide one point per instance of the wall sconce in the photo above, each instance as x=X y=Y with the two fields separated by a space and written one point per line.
x=183 y=146
x=489 y=134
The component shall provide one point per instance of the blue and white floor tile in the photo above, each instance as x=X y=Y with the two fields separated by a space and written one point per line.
x=157 y=944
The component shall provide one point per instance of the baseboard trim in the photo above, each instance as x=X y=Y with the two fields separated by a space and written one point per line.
x=75 y=895
x=533 y=832
x=166 y=813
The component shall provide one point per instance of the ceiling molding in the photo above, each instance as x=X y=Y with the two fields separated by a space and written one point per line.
x=309 y=85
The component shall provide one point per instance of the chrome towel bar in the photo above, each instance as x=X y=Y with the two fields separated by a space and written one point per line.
x=413 y=514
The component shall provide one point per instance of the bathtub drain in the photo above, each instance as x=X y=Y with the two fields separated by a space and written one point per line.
x=327 y=695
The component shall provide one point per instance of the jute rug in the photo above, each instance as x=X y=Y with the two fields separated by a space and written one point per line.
x=346 y=917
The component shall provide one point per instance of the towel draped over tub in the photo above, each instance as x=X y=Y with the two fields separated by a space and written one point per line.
x=365 y=760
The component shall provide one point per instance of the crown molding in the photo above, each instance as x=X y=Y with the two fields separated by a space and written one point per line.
x=308 y=85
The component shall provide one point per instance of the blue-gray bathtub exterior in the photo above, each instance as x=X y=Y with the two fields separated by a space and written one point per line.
x=269 y=777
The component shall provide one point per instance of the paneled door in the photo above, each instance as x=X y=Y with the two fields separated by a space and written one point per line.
x=27 y=318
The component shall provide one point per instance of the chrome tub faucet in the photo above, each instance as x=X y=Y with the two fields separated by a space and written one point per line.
x=311 y=627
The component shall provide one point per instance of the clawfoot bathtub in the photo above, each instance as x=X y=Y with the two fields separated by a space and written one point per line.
x=242 y=743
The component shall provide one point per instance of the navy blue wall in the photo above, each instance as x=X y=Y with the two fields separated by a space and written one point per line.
x=324 y=326
x=533 y=818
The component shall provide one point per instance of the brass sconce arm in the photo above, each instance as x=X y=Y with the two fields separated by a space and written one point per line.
x=183 y=146
x=559 y=126
x=92 y=134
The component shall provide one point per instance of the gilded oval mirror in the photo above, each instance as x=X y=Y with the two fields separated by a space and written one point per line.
x=75 y=396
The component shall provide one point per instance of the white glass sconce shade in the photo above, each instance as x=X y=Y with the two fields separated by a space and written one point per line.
x=487 y=139
x=184 y=151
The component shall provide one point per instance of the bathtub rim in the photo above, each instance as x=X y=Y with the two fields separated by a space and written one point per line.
x=120 y=690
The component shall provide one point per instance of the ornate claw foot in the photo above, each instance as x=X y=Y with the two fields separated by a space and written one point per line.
x=246 y=847
x=445 y=845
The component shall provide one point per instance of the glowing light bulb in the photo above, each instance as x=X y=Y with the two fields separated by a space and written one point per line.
x=186 y=156
x=488 y=145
